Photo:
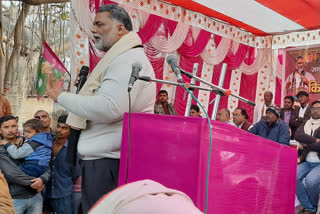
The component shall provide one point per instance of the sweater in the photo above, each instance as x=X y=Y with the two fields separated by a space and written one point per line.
x=104 y=110
x=278 y=132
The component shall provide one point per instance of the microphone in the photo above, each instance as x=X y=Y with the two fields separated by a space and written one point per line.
x=136 y=68
x=172 y=60
x=84 y=71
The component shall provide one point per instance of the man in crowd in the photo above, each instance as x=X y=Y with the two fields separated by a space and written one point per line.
x=6 y=205
x=45 y=118
x=272 y=127
x=5 y=108
x=300 y=114
x=99 y=107
x=299 y=79
x=240 y=119
x=163 y=106
x=260 y=109
x=25 y=199
x=60 y=188
x=195 y=111
x=308 y=172
x=286 y=112
x=224 y=116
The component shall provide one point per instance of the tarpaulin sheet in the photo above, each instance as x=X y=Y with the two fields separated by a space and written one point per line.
x=248 y=174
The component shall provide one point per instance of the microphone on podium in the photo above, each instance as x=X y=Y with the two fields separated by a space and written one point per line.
x=84 y=71
x=172 y=60
x=136 y=68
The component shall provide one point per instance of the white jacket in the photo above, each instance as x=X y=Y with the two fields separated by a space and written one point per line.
x=104 y=111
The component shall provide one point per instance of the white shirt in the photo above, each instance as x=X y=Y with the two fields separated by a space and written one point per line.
x=257 y=112
x=303 y=110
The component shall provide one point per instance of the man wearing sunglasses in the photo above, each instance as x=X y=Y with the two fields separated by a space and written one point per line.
x=308 y=172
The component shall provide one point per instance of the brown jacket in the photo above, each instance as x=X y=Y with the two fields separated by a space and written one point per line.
x=5 y=108
x=158 y=109
x=6 y=205
x=296 y=121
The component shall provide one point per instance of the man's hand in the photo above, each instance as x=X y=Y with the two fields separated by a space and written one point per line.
x=3 y=142
x=53 y=88
x=318 y=140
x=305 y=80
x=37 y=184
x=18 y=142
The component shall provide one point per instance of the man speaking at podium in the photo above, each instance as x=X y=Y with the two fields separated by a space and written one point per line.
x=99 y=107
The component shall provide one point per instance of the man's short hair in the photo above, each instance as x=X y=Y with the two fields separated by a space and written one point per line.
x=117 y=13
x=195 y=107
x=243 y=113
x=289 y=98
x=7 y=118
x=315 y=102
x=63 y=118
x=42 y=111
x=299 y=57
x=162 y=92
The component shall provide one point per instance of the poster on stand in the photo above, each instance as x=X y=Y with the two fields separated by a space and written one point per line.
x=302 y=72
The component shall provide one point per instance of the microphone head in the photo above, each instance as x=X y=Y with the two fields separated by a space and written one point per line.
x=84 y=71
x=171 y=59
x=137 y=65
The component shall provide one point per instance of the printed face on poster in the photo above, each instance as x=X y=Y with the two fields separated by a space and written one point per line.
x=302 y=72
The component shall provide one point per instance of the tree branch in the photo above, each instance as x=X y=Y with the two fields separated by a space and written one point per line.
x=39 y=2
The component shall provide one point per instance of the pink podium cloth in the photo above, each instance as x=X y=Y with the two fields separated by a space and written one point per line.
x=248 y=174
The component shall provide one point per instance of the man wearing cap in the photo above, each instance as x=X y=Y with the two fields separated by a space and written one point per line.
x=272 y=127
x=300 y=114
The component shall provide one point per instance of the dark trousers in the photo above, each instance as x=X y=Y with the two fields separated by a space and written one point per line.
x=98 y=178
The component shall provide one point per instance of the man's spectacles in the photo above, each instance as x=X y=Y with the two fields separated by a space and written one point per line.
x=315 y=108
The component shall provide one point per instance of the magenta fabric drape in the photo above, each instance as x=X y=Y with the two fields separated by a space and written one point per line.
x=248 y=89
x=278 y=92
x=150 y=28
x=197 y=47
x=186 y=63
x=248 y=174
x=235 y=60
x=226 y=85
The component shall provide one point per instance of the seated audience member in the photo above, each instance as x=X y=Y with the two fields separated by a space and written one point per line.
x=35 y=151
x=195 y=111
x=286 y=112
x=308 y=172
x=24 y=189
x=300 y=114
x=240 y=119
x=260 y=109
x=6 y=205
x=272 y=127
x=58 y=196
x=224 y=116
x=162 y=106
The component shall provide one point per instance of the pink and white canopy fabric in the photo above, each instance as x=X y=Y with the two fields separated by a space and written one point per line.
x=260 y=17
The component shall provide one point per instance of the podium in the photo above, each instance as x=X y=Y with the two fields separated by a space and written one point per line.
x=248 y=174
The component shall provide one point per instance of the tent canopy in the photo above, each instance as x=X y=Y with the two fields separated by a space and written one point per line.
x=260 y=17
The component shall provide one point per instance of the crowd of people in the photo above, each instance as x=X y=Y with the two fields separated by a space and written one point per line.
x=34 y=166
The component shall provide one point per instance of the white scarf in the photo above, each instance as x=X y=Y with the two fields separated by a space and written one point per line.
x=309 y=128
x=311 y=125
x=126 y=42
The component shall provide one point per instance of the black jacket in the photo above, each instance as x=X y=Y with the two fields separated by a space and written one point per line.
x=309 y=140
x=19 y=183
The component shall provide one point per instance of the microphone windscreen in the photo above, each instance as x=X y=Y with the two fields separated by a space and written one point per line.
x=84 y=71
x=137 y=65
x=171 y=58
x=227 y=92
